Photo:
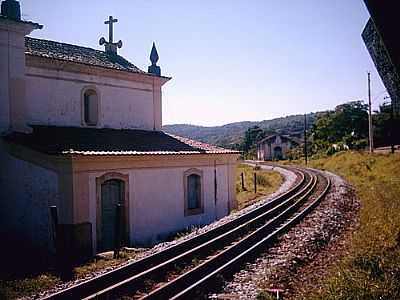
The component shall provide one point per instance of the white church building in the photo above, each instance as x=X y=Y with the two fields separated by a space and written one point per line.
x=81 y=130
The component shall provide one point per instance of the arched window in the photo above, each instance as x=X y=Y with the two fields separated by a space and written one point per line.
x=90 y=107
x=193 y=192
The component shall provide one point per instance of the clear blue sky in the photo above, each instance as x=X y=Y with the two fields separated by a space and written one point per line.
x=230 y=60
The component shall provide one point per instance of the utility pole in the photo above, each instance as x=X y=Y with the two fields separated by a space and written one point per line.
x=391 y=130
x=370 y=133
x=305 y=138
x=392 y=134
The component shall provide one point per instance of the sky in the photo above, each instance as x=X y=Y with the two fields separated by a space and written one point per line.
x=230 y=60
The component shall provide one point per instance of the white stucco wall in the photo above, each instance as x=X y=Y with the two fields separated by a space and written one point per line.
x=156 y=198
x=55 y=98
x=26 y=192
x=265 y=150
x=12 y=74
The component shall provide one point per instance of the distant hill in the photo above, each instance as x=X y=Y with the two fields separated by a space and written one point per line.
x=230 y=135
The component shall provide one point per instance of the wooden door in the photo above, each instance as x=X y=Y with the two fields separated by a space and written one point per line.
x=112 y=193
x=278 y=153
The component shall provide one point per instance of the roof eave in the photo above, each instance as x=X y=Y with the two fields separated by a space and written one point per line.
x=163 y=79
x=33 y=25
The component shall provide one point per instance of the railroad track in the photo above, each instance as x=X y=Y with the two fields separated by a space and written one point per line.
x=196 y=266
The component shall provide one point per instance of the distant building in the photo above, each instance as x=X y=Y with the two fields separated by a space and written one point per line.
x=381 y=38
x=275 y=147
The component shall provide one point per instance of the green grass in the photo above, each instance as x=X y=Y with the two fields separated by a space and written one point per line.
x=372 y=269
x=13 y=288
x=267 y=183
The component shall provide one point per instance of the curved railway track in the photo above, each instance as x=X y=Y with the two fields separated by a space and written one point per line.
x=196 y=266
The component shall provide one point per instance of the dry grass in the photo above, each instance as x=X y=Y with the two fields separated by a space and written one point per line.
x=372 y=270
x=98 y=264
x=17 y=288
x=267 y=183
x=13 y=288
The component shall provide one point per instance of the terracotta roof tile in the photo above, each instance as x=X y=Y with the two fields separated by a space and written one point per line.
x=105 y=141
x=78 y=54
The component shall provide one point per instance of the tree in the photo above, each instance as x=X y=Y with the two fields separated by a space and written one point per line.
x=251 y=137
x=347 y=124
x=385 y=126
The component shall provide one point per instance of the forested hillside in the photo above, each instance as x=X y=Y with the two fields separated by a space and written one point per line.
x=231 y=135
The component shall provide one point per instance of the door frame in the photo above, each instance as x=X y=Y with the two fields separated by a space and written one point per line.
x=99 y=181
x=280 y=153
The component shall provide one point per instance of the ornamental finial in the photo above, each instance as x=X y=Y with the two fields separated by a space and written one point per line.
x=11 y=9
x=154 y=69
x=154 y=55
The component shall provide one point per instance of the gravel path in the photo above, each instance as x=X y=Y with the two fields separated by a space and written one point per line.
x=301 y=256
x=290 y=179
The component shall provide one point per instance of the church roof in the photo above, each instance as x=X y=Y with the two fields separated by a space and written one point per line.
x=283 y=137
x=55 y=140
x=78 y=54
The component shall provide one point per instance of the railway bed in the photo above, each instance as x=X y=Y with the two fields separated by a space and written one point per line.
x=196 y=266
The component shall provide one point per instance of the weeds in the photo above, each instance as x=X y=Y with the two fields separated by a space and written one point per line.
x=267 y=183
x=372 y=269
x=17 y=288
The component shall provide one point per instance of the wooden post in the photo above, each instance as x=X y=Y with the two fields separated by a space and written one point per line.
x=54 y=227
x=215 y=182
x=392 y=129
x=242 y=176
x=54 y=223
x=255 y=182
x=370 y=132
x=118 y=231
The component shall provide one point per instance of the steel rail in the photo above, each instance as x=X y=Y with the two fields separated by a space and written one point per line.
x=92 y=287
x=213 y=278
x=187 y=279
x=133 y=283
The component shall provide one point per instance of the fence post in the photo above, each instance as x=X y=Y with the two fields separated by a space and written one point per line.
x=54 y=228
x=255 y=182
x=54 y=224
x=242 y=176
x=117 y=232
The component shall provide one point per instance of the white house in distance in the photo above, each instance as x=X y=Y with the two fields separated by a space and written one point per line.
x=81 y=130
x=275 y=147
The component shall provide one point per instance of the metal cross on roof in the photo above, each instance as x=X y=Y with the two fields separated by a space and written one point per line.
x=110 y=46
x=110 y=23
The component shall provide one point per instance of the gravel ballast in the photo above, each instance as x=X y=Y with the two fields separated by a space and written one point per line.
x=290 y=179
x=301 y=256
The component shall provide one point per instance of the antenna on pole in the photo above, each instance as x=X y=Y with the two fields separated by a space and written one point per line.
x=305 y=139
x=370 y=132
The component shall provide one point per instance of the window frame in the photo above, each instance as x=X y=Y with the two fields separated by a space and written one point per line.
x=200 y=209
x=83 y=106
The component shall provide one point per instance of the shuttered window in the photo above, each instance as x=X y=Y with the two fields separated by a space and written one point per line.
x=193 y=191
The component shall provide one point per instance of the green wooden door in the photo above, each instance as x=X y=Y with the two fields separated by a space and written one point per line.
x=112 y=193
